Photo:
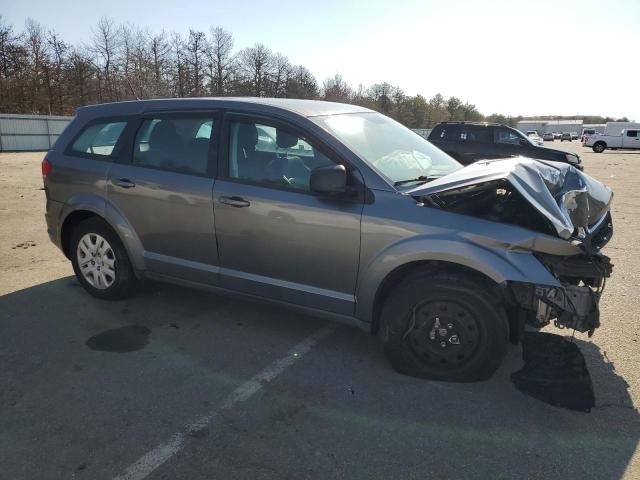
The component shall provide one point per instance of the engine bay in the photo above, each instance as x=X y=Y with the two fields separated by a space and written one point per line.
x=495 y=201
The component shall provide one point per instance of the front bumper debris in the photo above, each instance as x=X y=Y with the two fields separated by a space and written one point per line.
x=575 y=303
x=574 y=307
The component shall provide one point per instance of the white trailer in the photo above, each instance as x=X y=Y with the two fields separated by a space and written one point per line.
x=615 y=128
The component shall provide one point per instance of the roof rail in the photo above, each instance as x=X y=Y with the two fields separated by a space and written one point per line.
x=462 y=122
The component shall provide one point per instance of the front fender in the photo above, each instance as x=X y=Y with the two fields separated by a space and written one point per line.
x=501 y=265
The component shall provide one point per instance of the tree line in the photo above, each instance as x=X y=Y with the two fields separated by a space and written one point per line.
x=41 y=73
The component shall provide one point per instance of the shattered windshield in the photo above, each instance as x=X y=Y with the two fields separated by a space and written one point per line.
x=390 y=148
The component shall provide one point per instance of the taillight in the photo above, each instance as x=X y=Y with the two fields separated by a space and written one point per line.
x=46 y=168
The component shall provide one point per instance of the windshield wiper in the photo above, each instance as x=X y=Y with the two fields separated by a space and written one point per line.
x=421 y=178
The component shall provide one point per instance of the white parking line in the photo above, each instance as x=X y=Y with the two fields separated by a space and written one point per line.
x=163 y=452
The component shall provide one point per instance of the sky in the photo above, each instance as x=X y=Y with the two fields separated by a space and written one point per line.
x=559 y=57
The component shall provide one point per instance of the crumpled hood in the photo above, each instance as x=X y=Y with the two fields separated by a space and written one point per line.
x=569 y=198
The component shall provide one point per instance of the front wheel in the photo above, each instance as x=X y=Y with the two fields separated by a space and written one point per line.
x=444 y=327
x=100 y=261
x=599 y=147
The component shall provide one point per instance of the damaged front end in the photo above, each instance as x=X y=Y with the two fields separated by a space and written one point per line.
x=574 y=304
x=552 y=199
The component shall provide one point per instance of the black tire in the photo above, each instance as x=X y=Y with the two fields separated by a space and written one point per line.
x=599 y=147
x=124 y=282
x=454 y=305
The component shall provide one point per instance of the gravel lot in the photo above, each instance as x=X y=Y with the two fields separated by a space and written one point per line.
x=227 y=389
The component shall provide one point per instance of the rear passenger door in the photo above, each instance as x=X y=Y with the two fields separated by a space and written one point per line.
x=164 y=189
x=276 y=238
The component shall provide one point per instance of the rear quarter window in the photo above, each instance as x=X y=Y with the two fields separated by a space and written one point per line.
x=448 y=133
x=98 y=140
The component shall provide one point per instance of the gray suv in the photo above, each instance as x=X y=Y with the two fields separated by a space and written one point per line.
x=335 y=210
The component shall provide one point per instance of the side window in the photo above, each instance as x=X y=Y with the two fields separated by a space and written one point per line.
x=99 y=139
x=451 y=133
x=479 y=134
x=271 y=156
x=176 y=144
x=505 y=136
x=632 y=133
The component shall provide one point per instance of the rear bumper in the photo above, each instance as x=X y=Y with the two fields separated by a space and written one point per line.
x=52 y=216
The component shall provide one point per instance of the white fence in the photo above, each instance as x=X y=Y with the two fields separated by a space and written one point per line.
x=30 y=132
x=423 y=132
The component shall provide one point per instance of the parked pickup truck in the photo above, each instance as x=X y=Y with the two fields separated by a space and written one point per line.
x=627 y=140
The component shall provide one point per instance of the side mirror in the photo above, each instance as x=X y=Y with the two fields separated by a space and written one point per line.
x=329 y=179
x=522 y=142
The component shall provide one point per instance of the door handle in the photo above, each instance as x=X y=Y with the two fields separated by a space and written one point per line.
x=237 y=202
x=125 y=183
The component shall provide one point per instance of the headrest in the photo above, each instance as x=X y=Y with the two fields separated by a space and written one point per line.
x=162 y=134
x=247 y=134
x=285 y=140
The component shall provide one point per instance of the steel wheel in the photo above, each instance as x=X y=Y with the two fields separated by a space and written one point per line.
x=444 y=325
x=96 y=260
x=443 y=333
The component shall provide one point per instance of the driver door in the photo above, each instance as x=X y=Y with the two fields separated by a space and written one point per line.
x=276 y=238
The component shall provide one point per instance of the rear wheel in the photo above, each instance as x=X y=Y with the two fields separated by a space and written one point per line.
x=100 y=261
x=444 y=327
x=599 y=147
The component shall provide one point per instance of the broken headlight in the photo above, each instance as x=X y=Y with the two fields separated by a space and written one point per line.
x=575 y=205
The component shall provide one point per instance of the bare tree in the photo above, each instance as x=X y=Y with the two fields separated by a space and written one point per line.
x=80 y=75
x=196 y=50
x=126 y=60
x=105 y=44
x=221 y=61
x=301 y=83
x=437 y=110
x=58 y=49
x=41 y=73
x=160 y=50
x=254 y=66
x=36 y=49
x=14 y=66
x=384 y=95
x=335 y=89
x=279 y=76
x=179 y=66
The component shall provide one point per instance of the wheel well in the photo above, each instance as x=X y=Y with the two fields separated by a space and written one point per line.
x=71 y=222
x=432 y=266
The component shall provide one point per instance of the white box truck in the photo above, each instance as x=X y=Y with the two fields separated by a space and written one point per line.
x=615 y=128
